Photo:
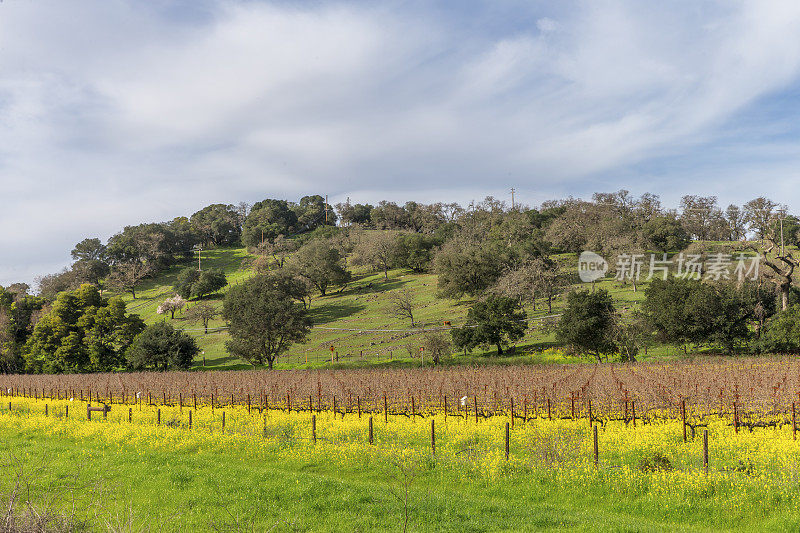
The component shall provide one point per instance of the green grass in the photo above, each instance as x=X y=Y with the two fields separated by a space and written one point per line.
x=115 y=485
x=346 y=319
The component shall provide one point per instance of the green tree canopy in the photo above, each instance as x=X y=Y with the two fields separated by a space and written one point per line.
x=588 y=323
x=322 y=264
x=666 y=234
x=268 y=219
x=162 y=347
x=495 y=321
x=217 y=224
x=264 y=321
x=686 y=311
x=414 y=251
x=469 y=267
x=193 y=283
x=82 y=332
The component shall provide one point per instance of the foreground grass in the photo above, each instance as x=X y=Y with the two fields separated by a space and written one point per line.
x=264 y=473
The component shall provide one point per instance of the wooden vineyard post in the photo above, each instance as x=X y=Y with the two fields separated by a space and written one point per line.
x=476 y=408
x=794 y=422
x=334 y=407
x=371 y=434
x=433 y=438
x=194 y=398
x=445 y=408
x=88 y=411
x=633 y=413
x=591 y=421
x=525 y=410
x=413 y=409
x=512 y=411
x=248 y=404
x=596 y=447
x=385 y=409
x=130 y=415
x=180 y=400
x=190 y=420
x=314 y=428
x=549 y=413
x=705 y=451
x=158 y=422
x=683 y=418
x=66 y=411
x=359 y=406
x=45 y=409
x=735 y=418
x=572 y=398
x=508 y=437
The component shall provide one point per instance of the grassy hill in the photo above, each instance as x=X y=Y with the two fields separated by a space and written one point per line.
x=356 y=323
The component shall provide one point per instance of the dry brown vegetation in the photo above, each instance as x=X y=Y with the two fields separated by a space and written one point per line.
x=710 y=385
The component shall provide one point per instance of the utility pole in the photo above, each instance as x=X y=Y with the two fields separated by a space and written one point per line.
x=199 y=264
x=512 y=198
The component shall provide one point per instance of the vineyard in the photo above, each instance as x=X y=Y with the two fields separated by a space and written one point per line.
x=741 y=390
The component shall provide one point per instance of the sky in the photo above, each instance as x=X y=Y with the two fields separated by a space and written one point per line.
x=118 y=112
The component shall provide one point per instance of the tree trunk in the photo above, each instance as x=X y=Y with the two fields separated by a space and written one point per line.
x=270 y=360
x=172 y=312
x=499 y=349
x=550 y=304
x=133 y=292
x=785 y=296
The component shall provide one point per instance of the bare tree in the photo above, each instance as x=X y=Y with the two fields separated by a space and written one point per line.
x=279 y=250
x=377 y=249
x=781 y=269
x=125 y=276
x=437 y=345
x=737 y=222
x=538 y=278
x=401 y=305
x=202 y=312
x=759 y=215
x=242 y=210
x=700 y=216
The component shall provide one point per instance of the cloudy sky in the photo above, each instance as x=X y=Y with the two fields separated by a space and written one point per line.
x=116 y=112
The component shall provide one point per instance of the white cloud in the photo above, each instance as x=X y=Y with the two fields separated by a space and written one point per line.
x=114 y=113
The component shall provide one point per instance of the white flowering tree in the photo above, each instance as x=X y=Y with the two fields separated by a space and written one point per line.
x=171 y=305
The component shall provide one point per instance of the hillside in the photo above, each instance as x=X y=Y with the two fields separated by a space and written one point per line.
x=355 y=320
